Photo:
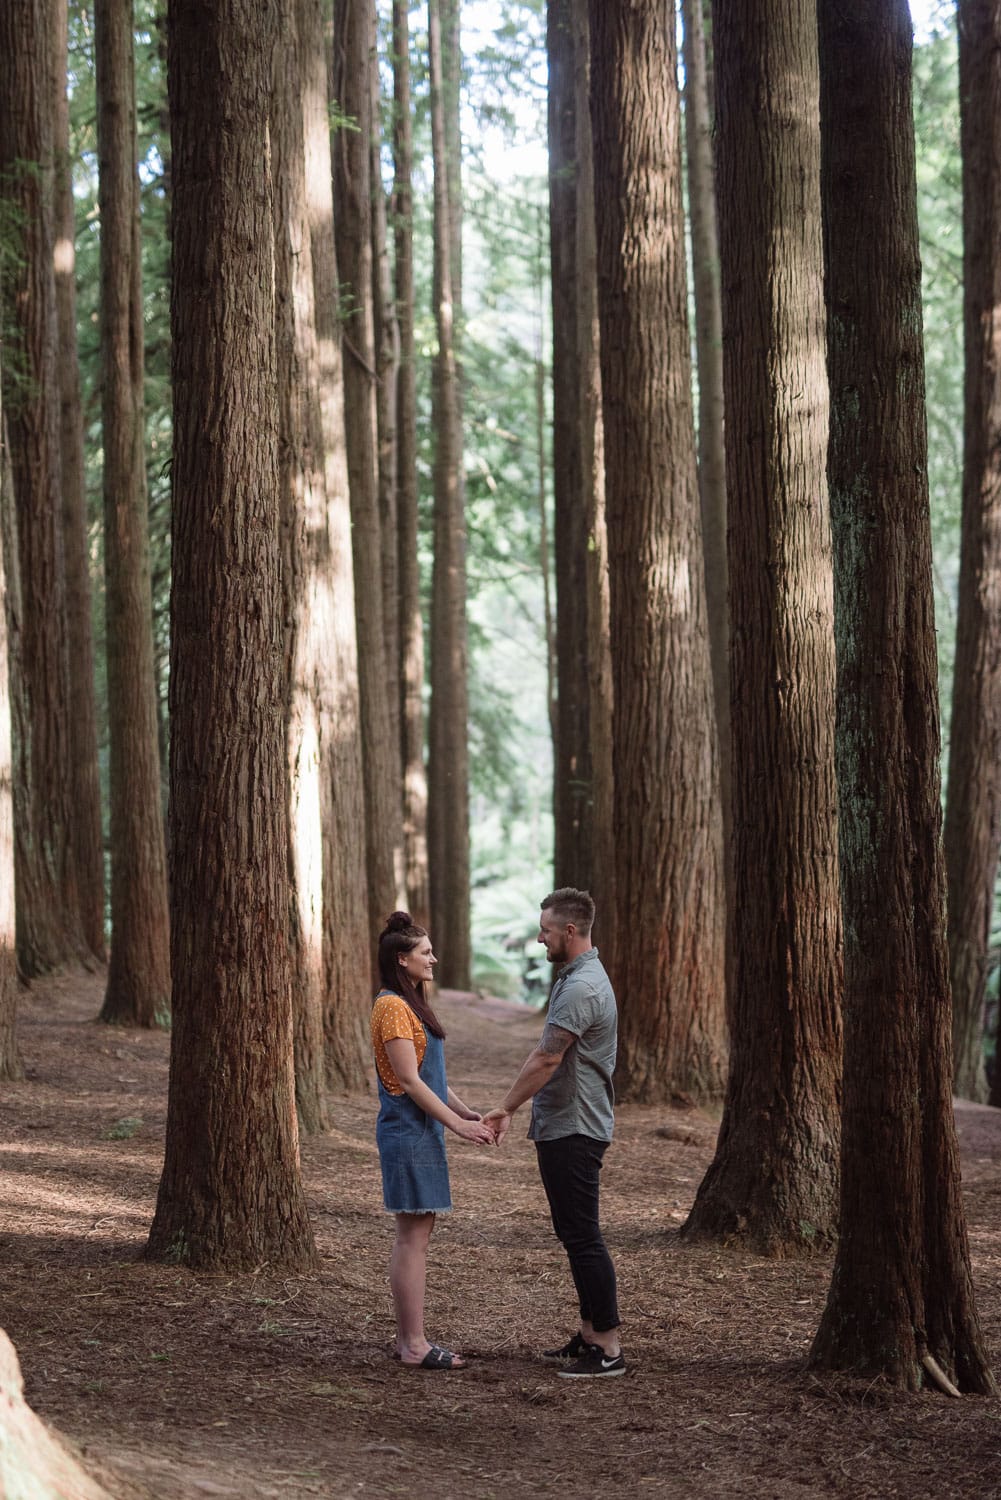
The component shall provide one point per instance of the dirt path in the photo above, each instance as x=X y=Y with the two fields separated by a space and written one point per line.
x=180 y=1385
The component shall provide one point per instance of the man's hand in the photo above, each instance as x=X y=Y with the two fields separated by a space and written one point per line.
x=498 y=1120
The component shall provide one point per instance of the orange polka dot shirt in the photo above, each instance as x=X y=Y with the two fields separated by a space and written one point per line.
x=392 y=1019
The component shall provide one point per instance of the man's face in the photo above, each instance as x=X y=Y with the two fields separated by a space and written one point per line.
x=555 y=935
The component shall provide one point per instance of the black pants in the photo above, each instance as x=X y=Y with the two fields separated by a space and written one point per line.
x=569 y=1169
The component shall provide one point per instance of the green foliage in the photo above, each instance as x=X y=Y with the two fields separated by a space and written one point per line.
x=124 y=1129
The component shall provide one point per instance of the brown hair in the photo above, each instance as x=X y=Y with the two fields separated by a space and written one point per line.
x=401 y=934
x=570 y=905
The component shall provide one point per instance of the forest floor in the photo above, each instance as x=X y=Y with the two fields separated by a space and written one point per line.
x=175 y=1385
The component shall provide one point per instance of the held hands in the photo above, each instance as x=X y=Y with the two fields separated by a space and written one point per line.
x=472 y=1128
x=499 y=1121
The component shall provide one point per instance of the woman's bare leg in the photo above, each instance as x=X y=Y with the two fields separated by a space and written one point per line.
x=407 y=1280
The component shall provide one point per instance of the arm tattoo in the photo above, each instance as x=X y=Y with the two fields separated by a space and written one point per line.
x=555 y=1040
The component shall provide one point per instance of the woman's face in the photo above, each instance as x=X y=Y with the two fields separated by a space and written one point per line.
x=419 y=963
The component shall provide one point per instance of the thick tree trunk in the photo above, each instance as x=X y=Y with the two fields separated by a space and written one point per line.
x=901 y=1289
x=346 y=931
x=415 y=850
x=10 y=1062
x=303 y=500
x=49 y=925
x=973 y=803
x=774 y=1179
x=573 y=822
x=33 y=1462
x=86 y=833
x=709 y=360
x=351 y=89
x=138 y=990
x=592 y=471
x=231 y=1192
x=668 y=833
x=448 y=758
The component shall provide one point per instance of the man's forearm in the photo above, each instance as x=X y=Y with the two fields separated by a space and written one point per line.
x=538 y=1068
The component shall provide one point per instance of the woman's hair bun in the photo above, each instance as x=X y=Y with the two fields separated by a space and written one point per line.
x=399 y=921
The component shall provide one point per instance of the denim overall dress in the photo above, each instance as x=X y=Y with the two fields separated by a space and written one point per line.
x=412 y=1144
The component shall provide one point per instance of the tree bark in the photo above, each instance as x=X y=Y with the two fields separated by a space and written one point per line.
x=387 y=359
x=668 y=856
x=231 y=1192
x=573 y=821
x=86 y=832
x=138 y=989
x=973 y=801
x=592 y=470
x=901 y=1289
x=709 y=361
x=773 y=1182
x=415 y=849
x=346 y=930
x=50 y=930
x=303 y=501
x=351 y=89
x=10 y=1061
x=448 y=753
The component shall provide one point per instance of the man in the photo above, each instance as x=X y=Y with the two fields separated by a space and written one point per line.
x=568 y=1077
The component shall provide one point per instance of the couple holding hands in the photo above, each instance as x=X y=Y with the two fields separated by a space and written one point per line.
x=568 y=1078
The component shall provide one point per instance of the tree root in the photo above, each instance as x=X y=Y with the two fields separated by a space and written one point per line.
x=938 y=1375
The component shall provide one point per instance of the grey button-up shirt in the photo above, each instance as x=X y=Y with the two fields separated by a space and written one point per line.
x=579 y=1098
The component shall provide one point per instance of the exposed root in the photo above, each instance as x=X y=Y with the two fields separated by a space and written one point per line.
x=938 y=1375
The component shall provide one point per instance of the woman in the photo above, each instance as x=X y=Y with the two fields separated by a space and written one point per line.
x=416 y=1104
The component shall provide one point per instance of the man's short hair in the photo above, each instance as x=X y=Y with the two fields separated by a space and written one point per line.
x=570 y=905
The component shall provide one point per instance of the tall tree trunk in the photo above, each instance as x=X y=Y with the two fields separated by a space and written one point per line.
x=387 y=359
x=774 y=1179
x=709 y=360
x=668 y=834
x=303 y=500
x=448 y=757
x=86 y=833
x=231 y=1192
x=973 y=803
x=573 y=822
x=49 y=924
x=592 y=471
x=415 y=850
x=346 y=929
x=353 y=222
x=10 y=1062
x=901 y=1290
x=138 y=989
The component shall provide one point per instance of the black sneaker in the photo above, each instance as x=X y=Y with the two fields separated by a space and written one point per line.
x=572 y=1349
x=593 y=1364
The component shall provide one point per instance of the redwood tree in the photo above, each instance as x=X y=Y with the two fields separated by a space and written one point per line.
x=415 y=852
x=668 y=855
x=973 y=802
x=901 y=1304
x=231 y=1192
x=10 y=1063
x=573 y=822
x=49 y=925
x=86 y=833
x=346 y=932
x=592 y=473
x=773 y=1181
x=138 y=989
x=351 y=91
x=709 y=359
x=448 y=750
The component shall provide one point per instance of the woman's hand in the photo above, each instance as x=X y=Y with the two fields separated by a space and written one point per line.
x=468 y=1114
x=474 y=1130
